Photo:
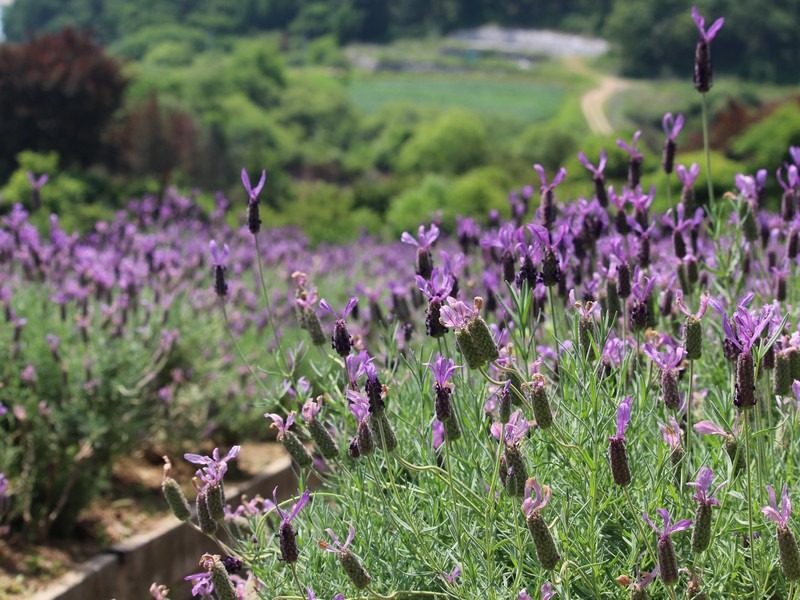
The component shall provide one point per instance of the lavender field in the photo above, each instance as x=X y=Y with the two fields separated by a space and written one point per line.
x=575 y=396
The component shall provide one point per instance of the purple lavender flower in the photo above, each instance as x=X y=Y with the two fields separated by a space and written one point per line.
x=253 y=193
x=545 y=547
x=443 y=368
x=218 y=258
x=639 y=311
x=618 y=456
x=516 y=428
x=672 y=127
x=424 y=241
x=547 y=591
x=547 y=209
x=667 y=562
x=436 y=289
x=779 y=515
x=341 y=340
x=452 y=576
x=350 y=564
x=598 y=177
x=702 y=58
x=702 y=485
x=524 y=595
x=457 y=315
x=201 y=584
x=438 y=434
x=787 y=544
x=668 y=362
x=540 y=499
x=736 y=454
x=791 y=191
x=253 y=211
x=36 y=185
x=671 y=433
x=278 y=422
x=634 y=160
x=794 y=152
x=287 y=535
x=623 y=418
x=359 y=407
x=214 y=467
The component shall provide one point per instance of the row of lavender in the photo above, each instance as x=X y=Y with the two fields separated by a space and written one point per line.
x=106 y=347
x=573 y=373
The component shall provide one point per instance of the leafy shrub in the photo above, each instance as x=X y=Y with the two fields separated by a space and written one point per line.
x=453 y=144
x=475 y=194
x=417 y=204
x=765 y=144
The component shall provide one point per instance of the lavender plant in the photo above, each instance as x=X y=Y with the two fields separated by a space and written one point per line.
x=548 y=394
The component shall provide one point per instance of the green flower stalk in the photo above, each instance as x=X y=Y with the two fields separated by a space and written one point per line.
x=693 y=330
x=223 y=585
x=787 y=544
x=473 y=336
x=539 y=401
x=305 y=303
x=287 y=536
x=546 y=551
x=208 y=524
x=289 y=440
x=667 y=561
x=319 y=433
x=618 y=456
x=701 y=533
x=352 y=567
x=174 y=494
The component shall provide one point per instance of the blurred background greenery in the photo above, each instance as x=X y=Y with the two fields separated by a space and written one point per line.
x=368 y=113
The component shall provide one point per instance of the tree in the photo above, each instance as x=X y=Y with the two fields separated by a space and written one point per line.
x=57 y=93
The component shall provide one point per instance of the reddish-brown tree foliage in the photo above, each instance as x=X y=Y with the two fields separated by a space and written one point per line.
x=57 y=92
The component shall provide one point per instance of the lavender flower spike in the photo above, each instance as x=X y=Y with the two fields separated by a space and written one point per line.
x=253 y=192
x=218 y=265
x=37 y=183
x=546 y=550
x=341 y=340
x=287 y=536
x=672 y=127
x=623 y=418
x=597 y=176
x=779 y=515
x=701 y=534
x=547 y=207
x=787 y=544
x=618 y=456
x=702 y=57
x=667 y=562
x=350 y=564
x=634 y=161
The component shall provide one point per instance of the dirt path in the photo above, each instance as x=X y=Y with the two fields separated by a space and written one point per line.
x=593 y=101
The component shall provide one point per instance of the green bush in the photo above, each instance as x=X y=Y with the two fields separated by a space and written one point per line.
x=136 y=45
x=82 y=200
x=546 y=145
x=455 y=143
x=766 y=144
x=325 y=213
x=475 y=194
x=170 y=53
x=417 y=204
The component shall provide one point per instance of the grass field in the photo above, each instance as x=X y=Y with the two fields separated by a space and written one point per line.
x=514 y=97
